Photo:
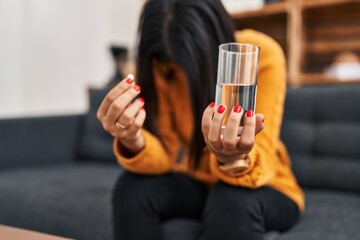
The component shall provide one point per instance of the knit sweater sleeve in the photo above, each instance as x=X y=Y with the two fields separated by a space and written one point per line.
x=270 y=102
x=152 y=159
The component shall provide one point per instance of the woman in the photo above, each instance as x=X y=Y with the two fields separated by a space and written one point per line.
x=172 y=149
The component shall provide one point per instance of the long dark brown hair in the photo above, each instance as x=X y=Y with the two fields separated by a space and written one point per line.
x=188 y=33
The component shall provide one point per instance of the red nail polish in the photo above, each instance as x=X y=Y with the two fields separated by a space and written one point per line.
x=141 y=99
x=143 y=108
x=129 y=80
x=237 y=108
x=212 y=104
x=221 y=109
x=249 y=113
x=137 y=88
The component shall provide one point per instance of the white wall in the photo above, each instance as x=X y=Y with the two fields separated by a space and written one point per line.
x=11 y=56
x=52 y=50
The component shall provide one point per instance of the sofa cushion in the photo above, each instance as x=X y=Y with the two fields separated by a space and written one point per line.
x=325 y=172
x=71 y=200
x=321 y=129
x=95 y=142
x=329 y=215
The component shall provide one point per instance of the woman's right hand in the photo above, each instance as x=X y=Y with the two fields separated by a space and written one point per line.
x=123 y=118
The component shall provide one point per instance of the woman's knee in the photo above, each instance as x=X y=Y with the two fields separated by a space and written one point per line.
x=129 y=186
x=238 y=207
x=132 y=195
x=134 y=189
x=226 y=201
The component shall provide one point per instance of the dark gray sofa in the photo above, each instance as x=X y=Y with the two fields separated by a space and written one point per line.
x=56 y=173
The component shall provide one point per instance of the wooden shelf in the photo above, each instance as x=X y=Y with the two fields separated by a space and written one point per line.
x=311 y=4
x=322 y=47
x=311 y=33
x=334 y=31
x=267 y=10
x=319 y=78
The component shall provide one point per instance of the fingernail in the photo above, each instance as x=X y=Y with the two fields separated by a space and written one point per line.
x=141 y=99
x=249 y=113
x=212 y=104
x=137 y=88
x=237 y=108
x=129 y=81
x=221 y=109
x=142 y=108
x=130 y=76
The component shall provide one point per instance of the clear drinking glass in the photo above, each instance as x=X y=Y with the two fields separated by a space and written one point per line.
x=237 y=77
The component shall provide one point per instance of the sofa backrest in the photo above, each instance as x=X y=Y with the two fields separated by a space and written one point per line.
x=35 y=141
x=95 y=143
x=321 y=130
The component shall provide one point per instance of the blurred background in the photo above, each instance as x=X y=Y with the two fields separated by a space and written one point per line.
x=51 y=51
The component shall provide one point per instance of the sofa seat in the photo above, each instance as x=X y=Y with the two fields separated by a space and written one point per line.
x=84 y=190
x=330 y=215
x=181 y=229
x=71 y=200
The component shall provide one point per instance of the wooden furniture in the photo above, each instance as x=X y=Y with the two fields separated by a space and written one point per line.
x=311 y=32
x=12 y=233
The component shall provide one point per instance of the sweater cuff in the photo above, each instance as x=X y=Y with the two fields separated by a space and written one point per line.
x=119 y=153
x=247 y=178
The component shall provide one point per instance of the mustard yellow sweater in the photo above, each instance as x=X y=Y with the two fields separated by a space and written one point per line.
x=270 y=162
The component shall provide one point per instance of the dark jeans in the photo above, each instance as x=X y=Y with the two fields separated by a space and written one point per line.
x=142 y=203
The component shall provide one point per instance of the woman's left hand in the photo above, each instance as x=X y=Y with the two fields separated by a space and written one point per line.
x=230 y=148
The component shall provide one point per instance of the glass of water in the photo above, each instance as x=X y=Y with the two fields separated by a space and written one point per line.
x=237 y=77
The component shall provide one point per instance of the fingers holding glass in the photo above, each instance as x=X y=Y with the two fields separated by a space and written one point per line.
x=230 y=137
x=247 y=139
x=214 y=135
x=225 y=141
x=206 y=121
x=260 y=123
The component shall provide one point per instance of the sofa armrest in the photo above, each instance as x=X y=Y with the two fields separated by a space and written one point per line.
x=38 y=140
